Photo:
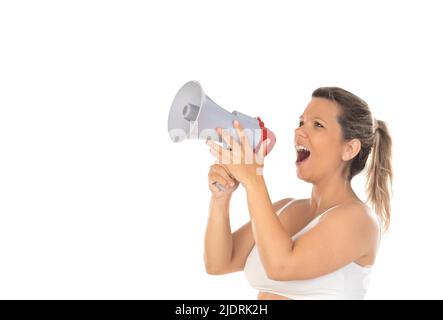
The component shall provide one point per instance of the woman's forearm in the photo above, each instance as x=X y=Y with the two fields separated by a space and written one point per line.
x=273 y=242
x=218 y=236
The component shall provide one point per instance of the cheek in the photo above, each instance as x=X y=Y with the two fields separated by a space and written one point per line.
x=329 y=152
x=325 y=147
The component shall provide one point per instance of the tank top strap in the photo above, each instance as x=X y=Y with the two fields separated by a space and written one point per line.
x=327 y=210
x=279 y=211
x=313 y=222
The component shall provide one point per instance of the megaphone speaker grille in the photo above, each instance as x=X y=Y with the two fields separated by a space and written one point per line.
x=184 y=109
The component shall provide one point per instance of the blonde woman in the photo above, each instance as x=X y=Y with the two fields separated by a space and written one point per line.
x=317 y=248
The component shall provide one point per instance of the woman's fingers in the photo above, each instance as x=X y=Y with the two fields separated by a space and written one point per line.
x=219 y=174
x=221 y=154
x=214 y=188
x=224 y=134
x=241 y=134
x=223 y=168
x=214 y=178
x=263 y=148
x=236 y=152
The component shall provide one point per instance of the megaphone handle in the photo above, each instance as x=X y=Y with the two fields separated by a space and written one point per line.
x=219 y=186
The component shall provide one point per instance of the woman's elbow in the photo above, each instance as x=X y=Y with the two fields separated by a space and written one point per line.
x=274 y=273
x=281 y=273
x=217 y=269
x=214 y=271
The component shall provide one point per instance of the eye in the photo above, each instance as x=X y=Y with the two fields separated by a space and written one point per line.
x=300 y=123
x=318 y=124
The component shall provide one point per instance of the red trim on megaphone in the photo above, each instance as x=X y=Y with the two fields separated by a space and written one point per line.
x=264 y=133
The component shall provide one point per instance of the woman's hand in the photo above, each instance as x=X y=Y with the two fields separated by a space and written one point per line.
x=218 y=173
x=241 y=162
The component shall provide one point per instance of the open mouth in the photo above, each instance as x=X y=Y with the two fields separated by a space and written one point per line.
x=302 y=153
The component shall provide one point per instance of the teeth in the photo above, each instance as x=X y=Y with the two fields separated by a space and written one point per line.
x=300 y=147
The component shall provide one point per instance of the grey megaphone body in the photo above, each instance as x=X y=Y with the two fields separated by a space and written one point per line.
x=193 y=115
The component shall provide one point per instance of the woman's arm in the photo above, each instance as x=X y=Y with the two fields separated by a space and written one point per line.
x=226 y=252
x=273 y=242
x=218 y=236
x=343 y=236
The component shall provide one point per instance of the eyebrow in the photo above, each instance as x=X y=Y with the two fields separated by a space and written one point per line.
x=316 y=117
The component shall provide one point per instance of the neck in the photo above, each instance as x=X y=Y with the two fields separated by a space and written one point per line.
x=329 y=192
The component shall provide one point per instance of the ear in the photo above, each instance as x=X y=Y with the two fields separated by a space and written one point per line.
x=351 y=149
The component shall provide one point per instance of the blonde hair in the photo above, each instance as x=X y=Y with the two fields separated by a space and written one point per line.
x=357 y=122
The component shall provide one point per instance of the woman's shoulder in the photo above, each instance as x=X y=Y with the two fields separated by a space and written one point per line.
x=361 y=224
x=357 y=216
x=295 y=215
x=285 y=203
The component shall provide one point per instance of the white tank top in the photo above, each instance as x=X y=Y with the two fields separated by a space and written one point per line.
x=348 y=282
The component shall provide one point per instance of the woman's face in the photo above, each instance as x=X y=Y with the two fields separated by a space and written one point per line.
x=320 y=133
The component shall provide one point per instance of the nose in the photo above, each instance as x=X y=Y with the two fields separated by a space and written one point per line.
x=300 y=132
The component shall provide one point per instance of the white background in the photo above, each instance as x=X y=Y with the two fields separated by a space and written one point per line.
x=97 y=202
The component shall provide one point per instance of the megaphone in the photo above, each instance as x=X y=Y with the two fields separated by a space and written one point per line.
x=193 y=115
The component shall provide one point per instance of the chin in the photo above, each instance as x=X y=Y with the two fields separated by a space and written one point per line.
x=302 y=176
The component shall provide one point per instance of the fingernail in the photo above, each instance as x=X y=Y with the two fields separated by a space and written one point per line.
x=231 y=183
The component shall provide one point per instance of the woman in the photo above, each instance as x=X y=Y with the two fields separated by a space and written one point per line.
x=317 y=248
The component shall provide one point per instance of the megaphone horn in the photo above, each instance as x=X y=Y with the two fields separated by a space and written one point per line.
x=193 y=115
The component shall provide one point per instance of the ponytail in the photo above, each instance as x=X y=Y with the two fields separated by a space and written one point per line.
x=379 y=174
